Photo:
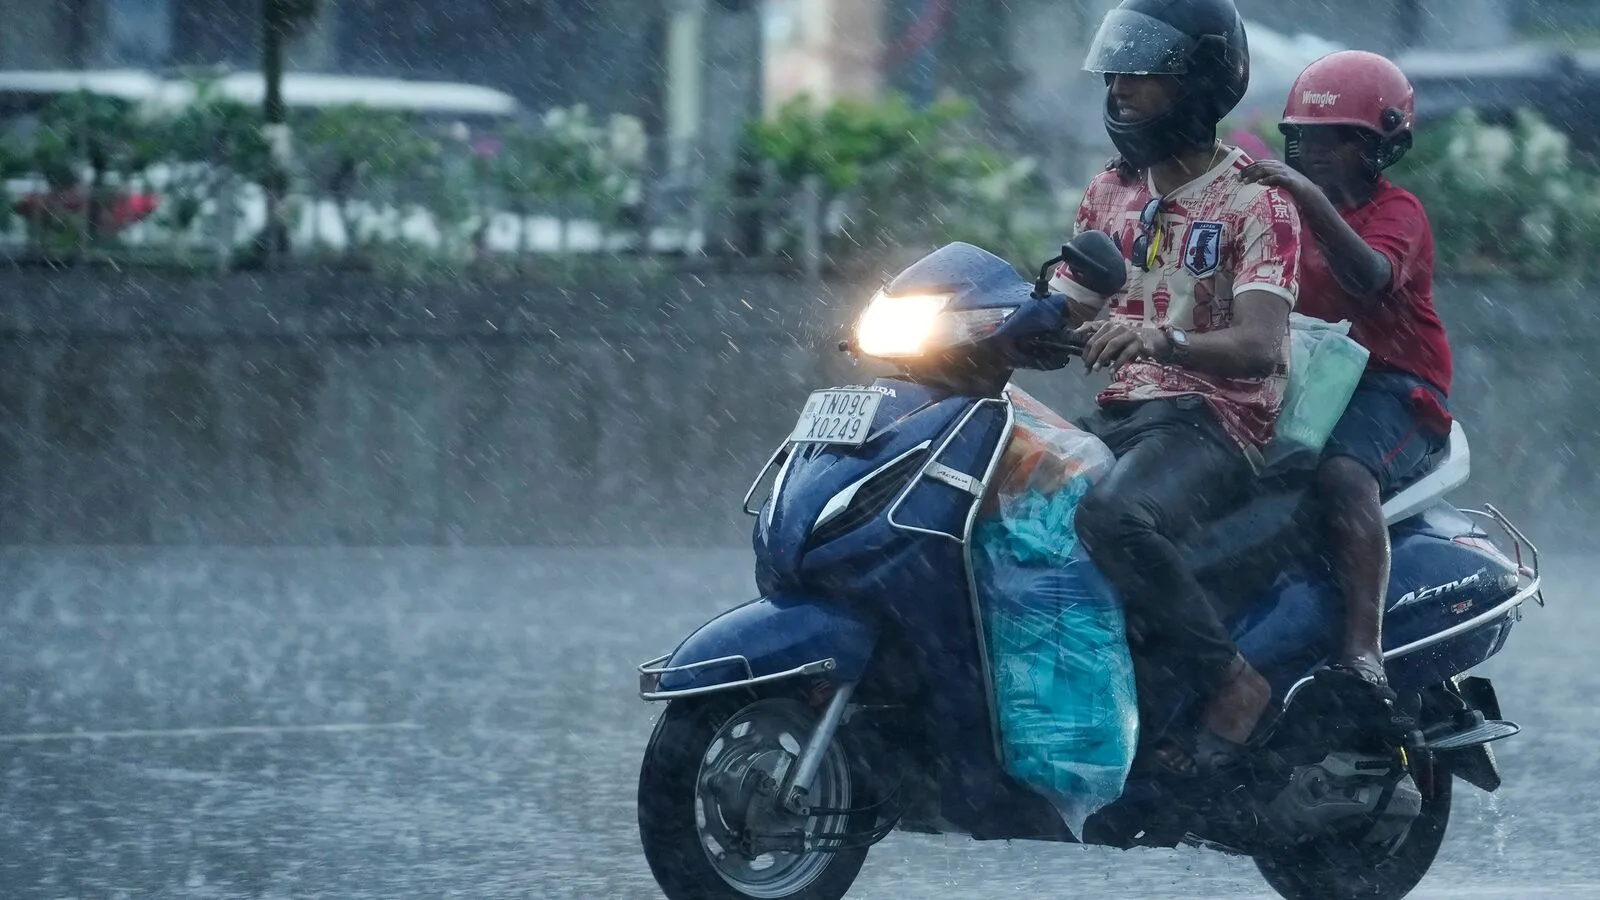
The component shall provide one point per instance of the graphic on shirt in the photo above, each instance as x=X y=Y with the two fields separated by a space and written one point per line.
x=1202 y=252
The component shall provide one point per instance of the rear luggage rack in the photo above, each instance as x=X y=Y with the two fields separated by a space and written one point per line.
x=1532 y=588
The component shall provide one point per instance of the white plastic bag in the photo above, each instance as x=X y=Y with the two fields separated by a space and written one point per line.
x=1046 y=455
x=1324 y=369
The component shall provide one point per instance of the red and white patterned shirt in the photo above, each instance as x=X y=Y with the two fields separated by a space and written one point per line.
x=1220 y=237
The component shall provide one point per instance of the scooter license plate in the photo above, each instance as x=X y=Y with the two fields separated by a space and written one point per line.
x=837 y=417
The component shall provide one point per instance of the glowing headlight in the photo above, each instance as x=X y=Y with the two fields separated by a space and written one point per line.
x=899 y=326
x=912 y=324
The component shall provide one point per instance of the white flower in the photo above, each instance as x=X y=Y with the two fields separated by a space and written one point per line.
x=1539 y=226
x=1544 y=150
x=629 y=143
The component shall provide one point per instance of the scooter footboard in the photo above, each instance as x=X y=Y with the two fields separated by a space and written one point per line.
x=776 y=637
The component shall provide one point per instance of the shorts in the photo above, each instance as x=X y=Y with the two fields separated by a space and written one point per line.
x=1382 y=431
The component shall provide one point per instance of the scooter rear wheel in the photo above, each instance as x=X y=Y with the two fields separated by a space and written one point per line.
x=701 y=785
x=1332 y=870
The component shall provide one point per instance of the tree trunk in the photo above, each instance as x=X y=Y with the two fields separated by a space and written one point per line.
x=279 y=20
x=275 y=236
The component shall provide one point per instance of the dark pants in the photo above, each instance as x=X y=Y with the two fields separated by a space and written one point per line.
x=1175 y=468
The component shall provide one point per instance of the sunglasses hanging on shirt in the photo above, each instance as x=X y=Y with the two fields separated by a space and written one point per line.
x=1147 y=246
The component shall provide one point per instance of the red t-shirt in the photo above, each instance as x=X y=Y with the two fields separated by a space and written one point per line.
x=1399 y=328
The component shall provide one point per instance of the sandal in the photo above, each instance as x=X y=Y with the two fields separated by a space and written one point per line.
x=1207 y=752
x=1370 y=671
x=1373 y=708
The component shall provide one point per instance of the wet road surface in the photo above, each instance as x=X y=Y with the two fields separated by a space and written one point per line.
x=438 y=723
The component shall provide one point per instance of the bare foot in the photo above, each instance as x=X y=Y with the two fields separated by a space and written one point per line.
x=1238 y=704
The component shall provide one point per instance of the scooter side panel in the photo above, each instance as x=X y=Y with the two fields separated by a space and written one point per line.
x=1434 y=583
x=774 y=634
x=919 y=581
x=1437 y=583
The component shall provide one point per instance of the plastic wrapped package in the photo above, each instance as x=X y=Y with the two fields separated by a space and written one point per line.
x=1324 y=368
x=1058 y=651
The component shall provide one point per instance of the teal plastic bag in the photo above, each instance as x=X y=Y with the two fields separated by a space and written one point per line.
x=1058 y=651
x=1063 y=679
x=1324 y=368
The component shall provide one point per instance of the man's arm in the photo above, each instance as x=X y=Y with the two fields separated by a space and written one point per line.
x=1246 y=349
x=1265 y=259
x=1364 y=271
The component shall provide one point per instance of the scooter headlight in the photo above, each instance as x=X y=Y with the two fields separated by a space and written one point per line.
x=912 y=324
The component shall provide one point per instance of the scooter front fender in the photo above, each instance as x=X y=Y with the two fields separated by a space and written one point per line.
x=771 y=639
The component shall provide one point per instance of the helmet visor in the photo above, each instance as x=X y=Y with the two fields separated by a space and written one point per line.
x=1132 y=43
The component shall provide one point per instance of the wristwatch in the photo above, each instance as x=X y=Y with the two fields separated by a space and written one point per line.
x=1177 y=343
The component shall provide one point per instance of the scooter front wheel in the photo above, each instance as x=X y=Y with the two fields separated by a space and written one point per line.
x=710 y=818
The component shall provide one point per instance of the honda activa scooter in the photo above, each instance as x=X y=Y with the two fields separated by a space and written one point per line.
x=854 y=696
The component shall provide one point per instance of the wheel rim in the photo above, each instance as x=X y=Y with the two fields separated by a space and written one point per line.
x=735 y=794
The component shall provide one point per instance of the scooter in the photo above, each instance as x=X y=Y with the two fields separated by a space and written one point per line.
x=854 y=698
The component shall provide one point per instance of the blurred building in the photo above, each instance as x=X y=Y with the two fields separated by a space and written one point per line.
x=694 y=70
x=606 y=53
x=825 y=49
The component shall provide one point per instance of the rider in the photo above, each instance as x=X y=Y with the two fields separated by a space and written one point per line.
x=1197 y=340
x=1348 y=119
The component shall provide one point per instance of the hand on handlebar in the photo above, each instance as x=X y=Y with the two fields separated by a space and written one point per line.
x=1111 y=343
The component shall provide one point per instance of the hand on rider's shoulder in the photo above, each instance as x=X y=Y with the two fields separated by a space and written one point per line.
x=1276 y=173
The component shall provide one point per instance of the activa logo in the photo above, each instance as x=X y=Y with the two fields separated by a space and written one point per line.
x=1439 y=590
x=1319 y=98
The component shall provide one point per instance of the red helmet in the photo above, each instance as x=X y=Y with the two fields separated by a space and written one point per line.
x=1359 y=89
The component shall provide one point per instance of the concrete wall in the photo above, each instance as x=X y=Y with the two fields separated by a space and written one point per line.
x=323 y=409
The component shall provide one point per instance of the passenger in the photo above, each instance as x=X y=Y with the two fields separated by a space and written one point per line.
x=1349 y=118
x=1197 y=341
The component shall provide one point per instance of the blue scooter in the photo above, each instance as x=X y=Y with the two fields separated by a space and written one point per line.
x=854 y=696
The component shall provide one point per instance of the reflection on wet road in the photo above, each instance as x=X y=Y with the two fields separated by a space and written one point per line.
x=426 y=723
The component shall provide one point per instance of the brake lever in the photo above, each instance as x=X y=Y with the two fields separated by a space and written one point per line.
x=1073 y=344
x=1064 y=346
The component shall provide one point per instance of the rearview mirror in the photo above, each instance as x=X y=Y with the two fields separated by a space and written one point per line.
x=1094 y=258
x=1097 y=262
